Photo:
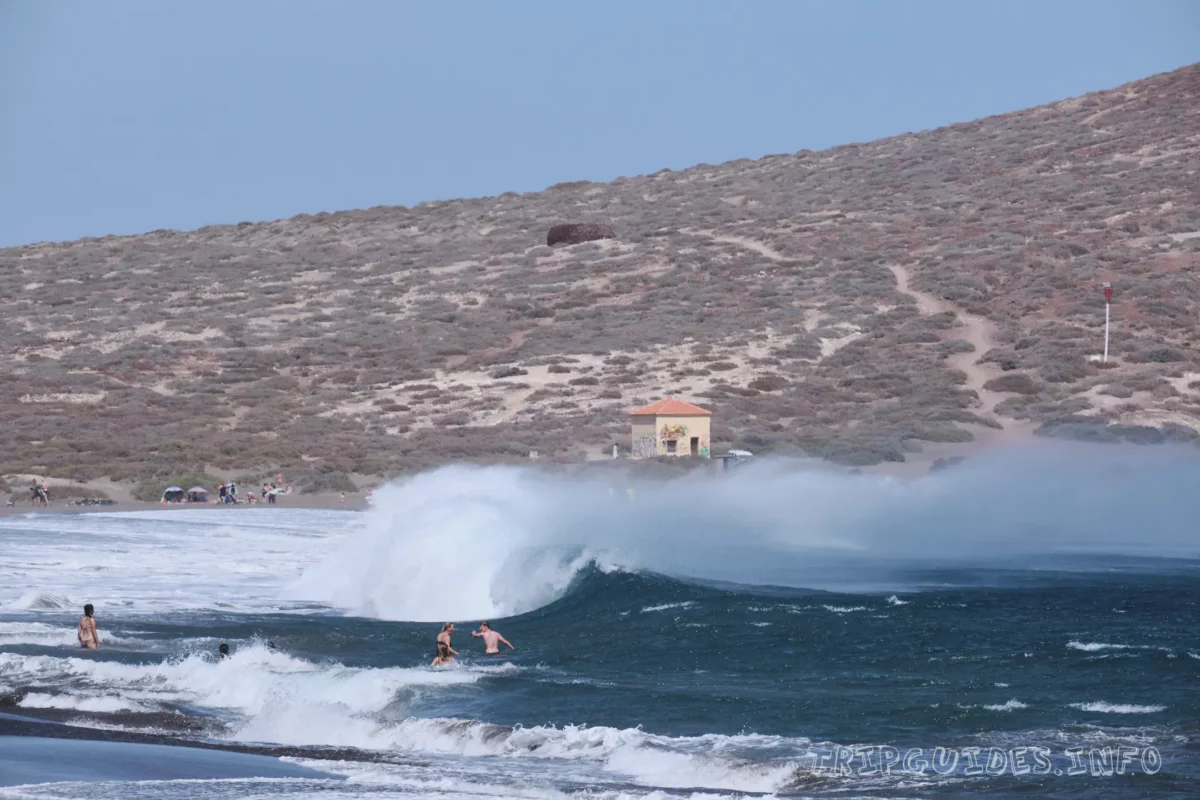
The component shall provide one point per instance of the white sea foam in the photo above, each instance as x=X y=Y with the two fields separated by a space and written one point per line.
x=465 y=780
x=896 y=601
x=160 y=561
x=515 y=538
x=44 y=601
x=529 y=531
x=844 y=609
x=38 y=633
x=100 y=703
x=267 y=695
x=666 y=606
x=1117 y=708
x=1011 y=705
x=1093 y=647
x=51 y=635
x=710 y=762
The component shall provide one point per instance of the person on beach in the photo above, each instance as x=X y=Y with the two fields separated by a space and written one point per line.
x=89 y=639
x=491 y=639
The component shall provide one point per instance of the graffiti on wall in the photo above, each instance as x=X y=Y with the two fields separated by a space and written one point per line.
x=676 y=431
x=645 y=447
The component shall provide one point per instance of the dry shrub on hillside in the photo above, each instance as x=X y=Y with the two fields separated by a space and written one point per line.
x=332 y=341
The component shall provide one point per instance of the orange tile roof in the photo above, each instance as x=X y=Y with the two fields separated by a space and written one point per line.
x=671 y=407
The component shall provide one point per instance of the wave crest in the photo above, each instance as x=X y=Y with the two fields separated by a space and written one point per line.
x=477 y=542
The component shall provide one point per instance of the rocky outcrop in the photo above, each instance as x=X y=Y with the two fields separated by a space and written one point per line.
x=578 y=232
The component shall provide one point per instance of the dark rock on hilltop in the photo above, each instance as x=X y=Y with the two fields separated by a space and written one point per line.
x=578 y=233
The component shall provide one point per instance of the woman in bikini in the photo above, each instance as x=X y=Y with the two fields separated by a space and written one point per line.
x=443 y=656
x=86 y=631
x=445 y=653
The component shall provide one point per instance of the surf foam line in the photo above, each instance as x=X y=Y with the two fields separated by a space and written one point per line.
x=513 y=538
x=157 y=562
x=744 y=763
x=255 y=692
x=265 y=696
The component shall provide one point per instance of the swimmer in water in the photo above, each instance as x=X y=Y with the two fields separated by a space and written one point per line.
x=86 y=630
x=492 y=639
x=444 y=637
x=445 y=653
x=223 y=652
x=443 y=656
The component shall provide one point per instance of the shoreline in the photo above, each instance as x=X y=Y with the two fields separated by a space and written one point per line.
x=37 y=751
x=919 y=464
x=325 y=502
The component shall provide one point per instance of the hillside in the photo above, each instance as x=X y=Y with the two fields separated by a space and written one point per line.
x=856 y=304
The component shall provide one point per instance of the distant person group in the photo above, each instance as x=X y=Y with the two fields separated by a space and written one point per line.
x=491 y=640
x=39 y=493
x=228 y=493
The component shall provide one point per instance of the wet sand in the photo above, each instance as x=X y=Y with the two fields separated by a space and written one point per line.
x=41 y=759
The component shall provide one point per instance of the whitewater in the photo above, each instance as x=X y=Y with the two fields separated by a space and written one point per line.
x=706 y=636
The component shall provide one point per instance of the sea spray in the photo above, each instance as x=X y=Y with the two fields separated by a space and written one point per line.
x=474 y=542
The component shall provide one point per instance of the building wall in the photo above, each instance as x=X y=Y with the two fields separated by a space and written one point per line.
x=645 y=441
x=666 y=428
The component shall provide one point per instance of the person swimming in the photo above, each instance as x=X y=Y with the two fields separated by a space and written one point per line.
x=223 y=652
x=443 y=656
x=89 y=639
x=445 y=652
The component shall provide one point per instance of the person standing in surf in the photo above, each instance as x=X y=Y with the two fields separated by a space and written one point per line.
x=491 y=639
x=445 y=653
x=89 y=639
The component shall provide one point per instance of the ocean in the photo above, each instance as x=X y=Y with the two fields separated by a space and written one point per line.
x=1026 y=625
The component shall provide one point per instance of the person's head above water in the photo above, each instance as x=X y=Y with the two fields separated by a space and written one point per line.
x=485 y=626
x=223 y=650
x=87 y=610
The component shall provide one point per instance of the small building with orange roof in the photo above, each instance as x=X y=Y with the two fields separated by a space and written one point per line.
x=670 y=427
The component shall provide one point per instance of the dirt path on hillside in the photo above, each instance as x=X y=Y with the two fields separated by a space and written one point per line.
x=977 y=330
x=749 y=244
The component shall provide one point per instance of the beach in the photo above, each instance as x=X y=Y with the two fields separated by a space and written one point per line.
x=353 y=502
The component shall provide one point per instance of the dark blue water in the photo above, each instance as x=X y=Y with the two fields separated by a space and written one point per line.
x=732 y=689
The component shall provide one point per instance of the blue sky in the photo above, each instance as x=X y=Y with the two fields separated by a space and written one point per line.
x=124 y=117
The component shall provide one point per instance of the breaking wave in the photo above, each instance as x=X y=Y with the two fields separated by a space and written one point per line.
x=470 y=543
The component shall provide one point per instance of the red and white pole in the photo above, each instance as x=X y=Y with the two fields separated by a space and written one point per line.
x=1107 y=304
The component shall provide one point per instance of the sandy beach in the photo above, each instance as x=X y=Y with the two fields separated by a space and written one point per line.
x=352 y=502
